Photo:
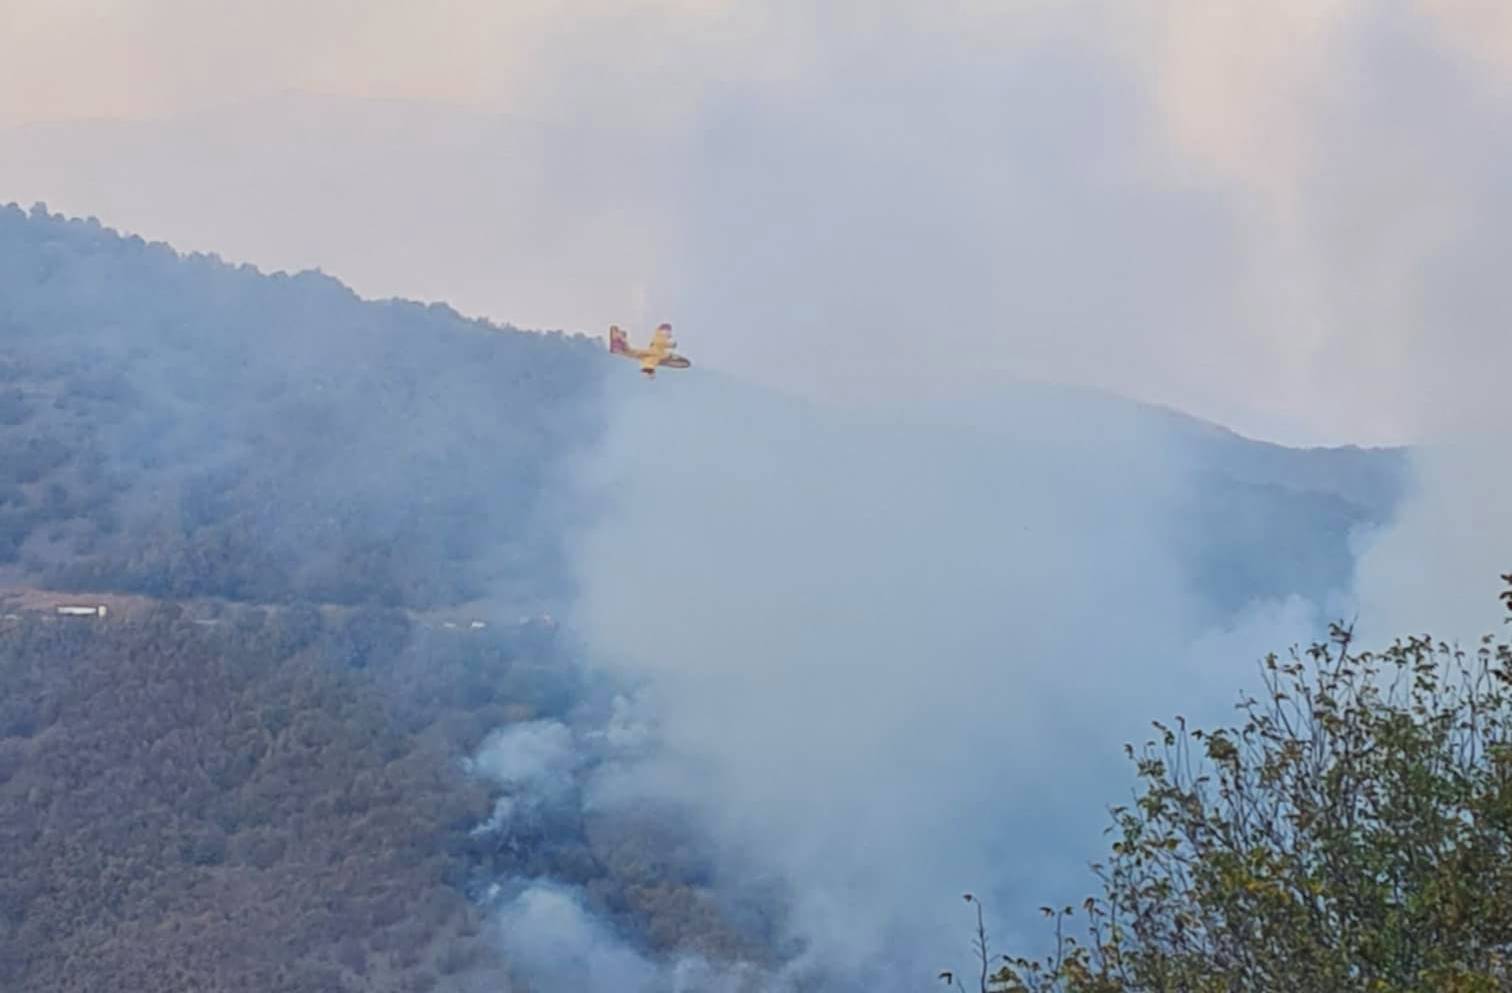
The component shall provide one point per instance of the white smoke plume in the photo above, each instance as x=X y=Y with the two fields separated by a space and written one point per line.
x=1437 y=569
x=559 y=946
x=532 y=761
x=892 y=662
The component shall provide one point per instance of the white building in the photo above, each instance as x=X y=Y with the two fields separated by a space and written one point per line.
x=76 y=611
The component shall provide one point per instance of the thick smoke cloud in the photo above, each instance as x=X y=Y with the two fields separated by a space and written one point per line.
x=1405 y=214
x=891 y=662
x=533 y=762
x=1436 y=570
x=550 y=938
x=557 y=945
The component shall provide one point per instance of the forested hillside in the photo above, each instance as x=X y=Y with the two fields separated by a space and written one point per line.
x=174 y=425
x=234 y=807
x=256 y=781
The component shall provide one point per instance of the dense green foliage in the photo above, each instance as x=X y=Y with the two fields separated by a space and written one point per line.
x=1352 y=833
x=232 y=807
x=187 y=808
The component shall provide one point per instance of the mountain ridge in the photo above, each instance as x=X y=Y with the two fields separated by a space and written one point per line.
x=183 y=425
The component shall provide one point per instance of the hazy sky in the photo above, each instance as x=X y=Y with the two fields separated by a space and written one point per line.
x=1269 y=214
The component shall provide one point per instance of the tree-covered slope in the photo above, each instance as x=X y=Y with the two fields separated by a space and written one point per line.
x=191 y=808
x=234 y=807
x=175 y=425
x=249 y=776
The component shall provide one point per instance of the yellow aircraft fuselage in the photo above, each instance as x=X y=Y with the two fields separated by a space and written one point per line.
x=659 y=353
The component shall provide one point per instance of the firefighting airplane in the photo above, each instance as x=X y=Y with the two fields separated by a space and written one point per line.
x=659 y=353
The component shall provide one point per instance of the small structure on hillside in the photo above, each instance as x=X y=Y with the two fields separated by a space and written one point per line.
x=66 y=610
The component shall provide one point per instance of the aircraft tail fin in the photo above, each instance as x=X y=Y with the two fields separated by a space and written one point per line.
x=617 y=342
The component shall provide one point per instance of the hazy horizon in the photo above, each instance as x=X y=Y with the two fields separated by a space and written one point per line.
x=1164 y=200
